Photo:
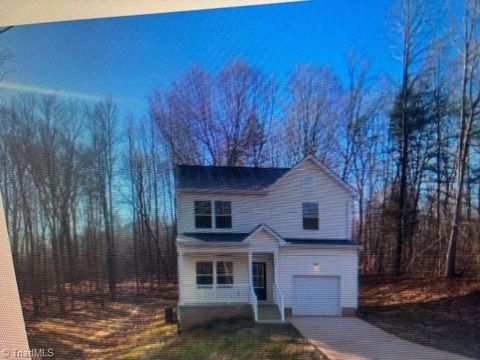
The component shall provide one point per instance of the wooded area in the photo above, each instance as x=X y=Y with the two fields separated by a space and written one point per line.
x=89 y=194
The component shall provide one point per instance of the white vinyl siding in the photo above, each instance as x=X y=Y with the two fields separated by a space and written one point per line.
x=341 y=263
x=292 y=262
x=281 y=208
x=309 y=183
x=193 y=294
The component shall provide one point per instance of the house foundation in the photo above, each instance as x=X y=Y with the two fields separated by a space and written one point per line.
x=191 y=315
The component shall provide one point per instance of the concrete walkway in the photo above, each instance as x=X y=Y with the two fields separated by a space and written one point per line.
x=349 y=338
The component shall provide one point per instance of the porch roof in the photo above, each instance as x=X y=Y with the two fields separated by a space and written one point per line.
x=240 y=237
x=296 y=241
x=217 y=237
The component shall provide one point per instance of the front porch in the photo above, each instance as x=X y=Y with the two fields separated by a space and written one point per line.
x=230 y=279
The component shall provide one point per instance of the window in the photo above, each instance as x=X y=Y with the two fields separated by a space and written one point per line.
x=224 y=273
x=223 y=214
x=203 y=214
x=308 y=184
x=204 y=273
x=310 y=216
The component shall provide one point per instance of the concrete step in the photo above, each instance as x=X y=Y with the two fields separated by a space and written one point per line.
x=269 y=316
x=269 y=313
x=271 y=321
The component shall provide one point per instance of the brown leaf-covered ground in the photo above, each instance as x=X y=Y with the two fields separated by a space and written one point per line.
x=435 y=312
x=441 y=313
x=133 y=327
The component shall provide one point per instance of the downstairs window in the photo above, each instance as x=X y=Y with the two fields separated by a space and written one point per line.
x=224 y=273
x=204 y=271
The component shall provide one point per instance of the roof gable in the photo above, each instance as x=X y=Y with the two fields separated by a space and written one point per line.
x=233 y=178
x=326 y=170
x=262 y=228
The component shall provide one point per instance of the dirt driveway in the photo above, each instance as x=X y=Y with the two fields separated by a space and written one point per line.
x=350 y=338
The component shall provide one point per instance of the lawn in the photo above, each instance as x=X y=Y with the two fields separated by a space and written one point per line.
x=133 y=327
x=444 y=314
x=240 y=341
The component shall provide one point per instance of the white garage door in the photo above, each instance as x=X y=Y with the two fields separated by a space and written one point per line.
x=316 y=295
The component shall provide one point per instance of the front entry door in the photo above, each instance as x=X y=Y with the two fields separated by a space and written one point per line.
x=260 y=280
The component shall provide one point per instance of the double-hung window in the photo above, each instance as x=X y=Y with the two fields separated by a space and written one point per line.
x=223 y=214
x=204 y=272
x=224 y=273
x=209 y=273
x=203 y=214
x=310 y=215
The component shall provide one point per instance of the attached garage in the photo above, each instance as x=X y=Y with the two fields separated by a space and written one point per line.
x=316 y=295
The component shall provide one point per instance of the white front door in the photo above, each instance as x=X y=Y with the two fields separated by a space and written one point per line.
x=316 y=295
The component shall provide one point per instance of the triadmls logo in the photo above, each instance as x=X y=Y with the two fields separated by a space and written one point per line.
x=26 y=353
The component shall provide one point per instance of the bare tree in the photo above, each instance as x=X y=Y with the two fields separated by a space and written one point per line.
x=222 y=119
x=414 y=29
x=470 y=100
x=246 y=99
x=312 y=113
x=103 y=119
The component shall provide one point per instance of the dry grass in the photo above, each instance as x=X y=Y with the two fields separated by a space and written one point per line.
x=435 y=312
x=241 y=341
x=102 y=332
x=133 y=327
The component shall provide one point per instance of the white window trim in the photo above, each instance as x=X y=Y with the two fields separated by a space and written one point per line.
x=214 y=274
x=224 y=286
x=205 y=286
x=213 y=216
x=311 y=217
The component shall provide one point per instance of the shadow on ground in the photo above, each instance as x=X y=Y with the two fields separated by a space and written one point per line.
x=450 y=323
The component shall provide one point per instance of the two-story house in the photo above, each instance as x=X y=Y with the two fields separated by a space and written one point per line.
x=267 y=243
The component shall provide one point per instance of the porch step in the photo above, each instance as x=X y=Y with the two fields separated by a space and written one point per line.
x=271 y=321
x=269 y=313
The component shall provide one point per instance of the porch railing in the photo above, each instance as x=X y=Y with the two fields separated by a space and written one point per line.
x=278 y=299
x=238 y=293
x=254 y=303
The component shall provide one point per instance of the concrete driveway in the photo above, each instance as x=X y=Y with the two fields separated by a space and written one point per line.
x=348 y=338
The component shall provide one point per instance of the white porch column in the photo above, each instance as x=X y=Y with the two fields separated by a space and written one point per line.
x=250 y=274
x=180 y=272
x=275 y=266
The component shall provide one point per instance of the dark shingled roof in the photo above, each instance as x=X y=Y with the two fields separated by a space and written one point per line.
x=344 y=242
x=218 y=237
x=191 y=177
x=239 y=237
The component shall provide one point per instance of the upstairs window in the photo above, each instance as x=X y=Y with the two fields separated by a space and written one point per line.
x=308 y=184
x=203 y=214
x=223 y=214
x=310 y=216
x=204 y=272
x=224 y=273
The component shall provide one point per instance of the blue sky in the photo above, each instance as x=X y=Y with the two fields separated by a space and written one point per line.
x=127 y=58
